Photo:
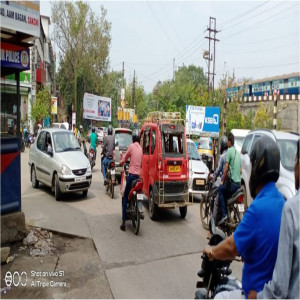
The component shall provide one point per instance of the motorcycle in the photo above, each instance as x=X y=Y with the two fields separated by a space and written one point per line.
x=235 y=208
x=134 y=210
x=216 y=274
x=22 y=144
x=110 y=178
x=92 y=158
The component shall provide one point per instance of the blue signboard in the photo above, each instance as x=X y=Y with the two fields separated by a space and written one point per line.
x=14 y=56
x=202 y=119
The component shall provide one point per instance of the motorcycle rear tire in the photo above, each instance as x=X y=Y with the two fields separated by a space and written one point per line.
x=112 y=190
x=136 y=217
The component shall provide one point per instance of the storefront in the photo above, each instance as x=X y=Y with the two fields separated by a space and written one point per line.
x=18 y=32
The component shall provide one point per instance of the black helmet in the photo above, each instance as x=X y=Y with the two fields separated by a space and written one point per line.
x=109 y=130
x=223 y=144
x=135 y=137
x=265 y=160
x=93 y=129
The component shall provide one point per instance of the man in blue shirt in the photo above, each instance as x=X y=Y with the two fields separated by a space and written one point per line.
x=256 y=237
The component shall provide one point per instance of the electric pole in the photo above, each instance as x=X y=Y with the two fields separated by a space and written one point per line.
x=173 y=69
x=123 y=100
x=133 y=91
x=212 y=31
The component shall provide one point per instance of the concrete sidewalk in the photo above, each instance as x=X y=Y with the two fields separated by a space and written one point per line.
x=73 y=270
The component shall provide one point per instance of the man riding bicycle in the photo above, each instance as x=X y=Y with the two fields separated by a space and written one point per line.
x=135 y=153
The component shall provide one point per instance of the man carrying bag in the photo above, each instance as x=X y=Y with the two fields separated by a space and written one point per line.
x=232 y=177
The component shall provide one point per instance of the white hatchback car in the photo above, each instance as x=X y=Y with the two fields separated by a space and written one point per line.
x=198 y=171
x=287 y=143
x=62 y=166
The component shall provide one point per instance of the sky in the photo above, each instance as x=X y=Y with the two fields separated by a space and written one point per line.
x=257 y=39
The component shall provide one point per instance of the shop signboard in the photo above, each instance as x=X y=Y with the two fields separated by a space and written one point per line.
x=21 y=16
x=14 y=56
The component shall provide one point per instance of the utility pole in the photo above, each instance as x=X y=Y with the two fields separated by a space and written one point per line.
x=133 y=91
x=211 y=57
x=123 y=100
x=173 y=69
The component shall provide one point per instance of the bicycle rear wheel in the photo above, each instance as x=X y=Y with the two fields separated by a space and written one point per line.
x=205 y=213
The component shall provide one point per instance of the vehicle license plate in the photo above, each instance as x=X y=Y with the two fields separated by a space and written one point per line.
x=112 y=172
x=200 y=182
x=241 y=207
x=80 y=179
x=174 y=169
x=139 y=196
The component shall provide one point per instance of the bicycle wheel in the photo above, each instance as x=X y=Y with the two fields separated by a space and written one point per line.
x=205 y=212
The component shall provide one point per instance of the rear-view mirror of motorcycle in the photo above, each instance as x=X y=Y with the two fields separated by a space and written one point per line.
x=212 y=226
x=117 y=144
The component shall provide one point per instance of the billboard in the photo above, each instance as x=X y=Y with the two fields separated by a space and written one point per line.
x=96 y=107
x=22 y=16
x=202 y=119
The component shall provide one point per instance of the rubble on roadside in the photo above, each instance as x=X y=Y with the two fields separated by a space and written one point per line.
x=39 y=242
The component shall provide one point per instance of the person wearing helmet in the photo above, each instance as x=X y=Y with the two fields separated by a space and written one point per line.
x=285 y=280
x=93 y=139
x=256 y=237
x=233 y=164
x=219 y=171
x=135 y=153
x=107 y=151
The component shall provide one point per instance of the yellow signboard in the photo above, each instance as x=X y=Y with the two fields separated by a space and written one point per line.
x=54 y=105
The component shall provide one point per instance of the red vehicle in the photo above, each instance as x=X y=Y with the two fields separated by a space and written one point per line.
x=165 y=163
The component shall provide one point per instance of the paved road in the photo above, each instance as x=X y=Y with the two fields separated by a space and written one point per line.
x=161 y=262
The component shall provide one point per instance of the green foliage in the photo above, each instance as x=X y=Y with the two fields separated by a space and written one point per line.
x=84 y=41
x=41 y=108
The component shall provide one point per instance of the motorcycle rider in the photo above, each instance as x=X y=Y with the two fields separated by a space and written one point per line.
x=93 y=139
x=233 y=164
x=135 y=153
x=256 y=237
x=107 y=151
x=285 y=280
x=219 y=171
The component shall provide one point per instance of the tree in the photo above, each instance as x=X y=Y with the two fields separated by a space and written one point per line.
x=41 y=108
x=84 y=41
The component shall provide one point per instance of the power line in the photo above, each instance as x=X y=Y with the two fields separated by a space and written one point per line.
x=242 y=21
x=265 y=67
x=259 y=24
x=243 y=14
x=158 y=21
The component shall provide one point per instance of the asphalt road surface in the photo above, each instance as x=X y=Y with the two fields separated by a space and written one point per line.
x=161 y=262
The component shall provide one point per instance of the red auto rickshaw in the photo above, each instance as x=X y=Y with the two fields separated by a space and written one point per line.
x=165 y=162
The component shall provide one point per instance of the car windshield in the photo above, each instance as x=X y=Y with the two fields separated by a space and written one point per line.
x=173 y=143
x=124 y=139
x=55 y=126
x=205 y=143
x=288 y=149
x=193 y=152
x=65 y=141
x=239 y=140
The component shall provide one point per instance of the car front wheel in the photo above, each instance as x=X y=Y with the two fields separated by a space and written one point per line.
x=35 y=182
x=58 y=194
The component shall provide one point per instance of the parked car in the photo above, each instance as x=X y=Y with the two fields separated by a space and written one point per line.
x=64 y=125
x=287 y=143
x=198 y=171
x=64 y=168
x=239 y=137
x=165 y=165
x=123 y=138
